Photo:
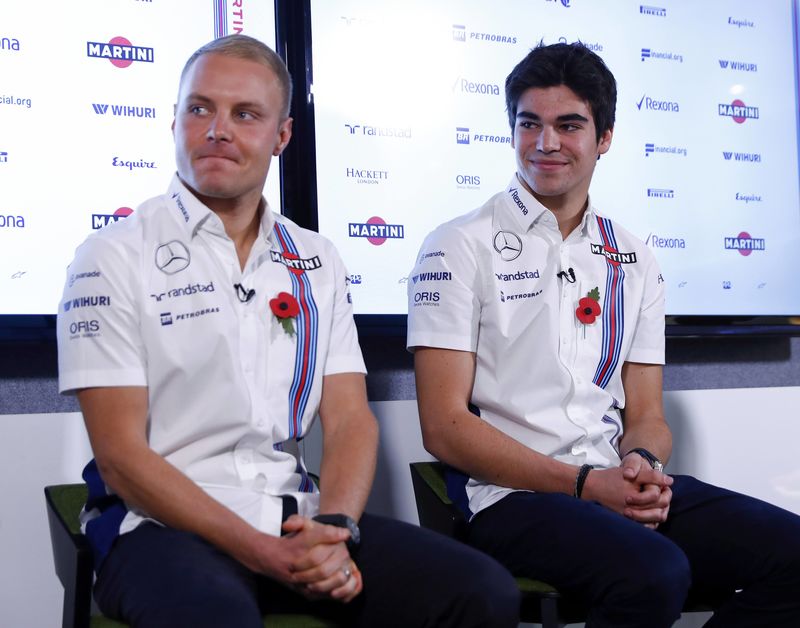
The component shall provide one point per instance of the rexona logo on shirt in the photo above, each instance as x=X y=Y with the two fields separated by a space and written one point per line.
x=376 y=231
x=612 y=255
x=120 y=52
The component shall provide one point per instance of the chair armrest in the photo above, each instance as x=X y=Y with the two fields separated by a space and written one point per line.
x=436 y=511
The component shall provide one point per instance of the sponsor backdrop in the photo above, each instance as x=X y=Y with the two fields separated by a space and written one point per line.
x=86 y=102
x=411 y=131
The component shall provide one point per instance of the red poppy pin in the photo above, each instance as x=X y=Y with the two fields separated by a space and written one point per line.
x=589 y=307
x=285 y=308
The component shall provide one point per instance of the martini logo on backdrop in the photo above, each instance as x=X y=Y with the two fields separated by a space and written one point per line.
x=461 y=34
x=376 y=231
x=101 y=220
x=9 y=43
x=120 y=52
x=125 y=111
x=745 y=244
x=738 y=111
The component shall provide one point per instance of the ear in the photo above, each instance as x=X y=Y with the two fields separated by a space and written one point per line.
x=174 y=113
x=605 y=142
x=284 y=135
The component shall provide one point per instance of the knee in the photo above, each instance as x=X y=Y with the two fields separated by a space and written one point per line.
x=660 y=578
x=491 y=597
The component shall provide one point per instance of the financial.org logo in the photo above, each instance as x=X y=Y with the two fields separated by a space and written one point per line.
x=660 y=193
x=472 y=87
x=752 y=158
x=738 y=111
x=651 y=104
x=461 y=34
x=120 y=52
x=101 y=220
x=376 y=231
x=9 y=43
x=126 y=111
x=739 y=66
x=745 y=244
x=648 y=10
x=653 y=149
x=378 y=131
x=649 y=53
x=367 y=176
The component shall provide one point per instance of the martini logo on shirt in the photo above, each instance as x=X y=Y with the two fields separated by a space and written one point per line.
x=295 y=263
x=612 y=255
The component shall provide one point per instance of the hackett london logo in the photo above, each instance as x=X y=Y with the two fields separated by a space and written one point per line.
x=120 y=52
x=738 y=111
x=101 y=220
x=612 y=255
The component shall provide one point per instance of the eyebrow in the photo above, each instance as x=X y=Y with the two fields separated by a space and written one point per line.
x=195 y=97
x=569 y=117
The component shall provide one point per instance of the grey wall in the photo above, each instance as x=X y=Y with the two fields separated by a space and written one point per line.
x=28 y=371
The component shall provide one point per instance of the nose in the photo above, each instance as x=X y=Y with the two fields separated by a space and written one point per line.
x=548 y=140
x=218 y=129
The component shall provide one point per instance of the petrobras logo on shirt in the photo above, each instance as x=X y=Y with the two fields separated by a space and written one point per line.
x=101 y=220
x=505 y=298
x=435 y=276
x=90 y=301
x=425 y=298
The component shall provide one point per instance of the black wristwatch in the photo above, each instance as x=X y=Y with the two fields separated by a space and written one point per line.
x=343 y=521
x=651 y=459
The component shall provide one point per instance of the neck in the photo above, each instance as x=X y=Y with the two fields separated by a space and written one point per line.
x=568 y=208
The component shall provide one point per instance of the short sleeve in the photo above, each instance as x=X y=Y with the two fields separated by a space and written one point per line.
x=648 y=340
x=443 y=293
x=99 y=339
x=344 y=352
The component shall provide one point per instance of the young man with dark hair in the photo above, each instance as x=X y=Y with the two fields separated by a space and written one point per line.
x=202 y=335
x=549 y=320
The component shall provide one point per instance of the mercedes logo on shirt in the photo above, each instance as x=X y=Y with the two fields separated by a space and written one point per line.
x=508 y=245
x=172 y=257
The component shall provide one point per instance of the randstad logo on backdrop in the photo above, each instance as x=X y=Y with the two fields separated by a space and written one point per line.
x=378 y=131
x=738 y=111
x=461 y=34
x=125 y=111
x=120 y=52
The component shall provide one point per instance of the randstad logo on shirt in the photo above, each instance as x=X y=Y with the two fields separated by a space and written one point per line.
x=612 y=255
x=93 y=301
x=518 y=276
x=375 y=230
x=435 y=276
x=192 y=288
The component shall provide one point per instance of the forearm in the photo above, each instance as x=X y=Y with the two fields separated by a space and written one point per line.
x=348 y=464
x=654 y=436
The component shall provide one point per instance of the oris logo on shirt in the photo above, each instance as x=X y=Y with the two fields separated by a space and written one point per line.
x=426 y=299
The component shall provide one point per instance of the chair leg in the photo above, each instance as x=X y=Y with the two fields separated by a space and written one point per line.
x=550 y=616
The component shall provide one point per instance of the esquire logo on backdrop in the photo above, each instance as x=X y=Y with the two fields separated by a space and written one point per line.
x=101 y=220
x=375 y=230
x=120 y=52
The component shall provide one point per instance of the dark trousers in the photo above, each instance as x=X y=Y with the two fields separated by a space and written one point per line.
x=714 y=540
x=160 y=577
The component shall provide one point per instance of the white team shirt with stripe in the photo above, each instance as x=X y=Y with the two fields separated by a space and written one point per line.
x=149 y=301
x=487 y=283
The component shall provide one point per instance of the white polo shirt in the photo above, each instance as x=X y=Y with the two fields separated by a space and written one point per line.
x=150 y=301
x=487 y=282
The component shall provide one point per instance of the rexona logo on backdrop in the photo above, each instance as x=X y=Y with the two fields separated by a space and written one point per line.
x=12 y=221
x=126 y=111
x=472 y=87
x=740 y=66
x=651 y=104
x=376 y=231
x=9 y=43
x=738 y=111
x=668 y=242
x=101 y=220
x=745 y=244
x=119 y=51
x=461 y=34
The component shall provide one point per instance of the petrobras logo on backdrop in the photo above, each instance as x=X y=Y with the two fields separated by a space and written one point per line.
x=101 y=220
x=650 y=10
x=751 y=158
x=745 y=244
x=665 y=242
x=738 y=66
x=120 y=52
x=465 y=136
x=660 y=193
x=124 y=111
x=12 y=221
x=748 y=198
x=9 y=43
x=378 y=131
x=741 y=22
x=375 y=230
x=738 y=111
x=366 y=175
x=652 y=149
x=462 y=34
x=472 y=87
x=468 y=182
x=649 y=53
x=652 y=104
x=462 y=135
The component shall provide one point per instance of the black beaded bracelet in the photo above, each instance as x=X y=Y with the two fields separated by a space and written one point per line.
x=580 y=479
